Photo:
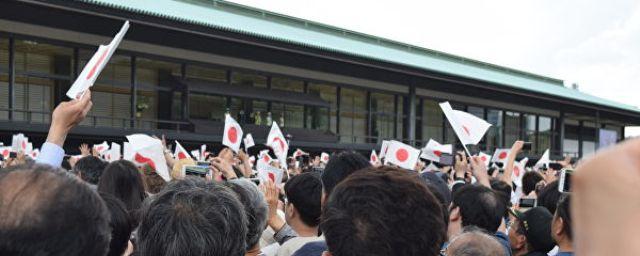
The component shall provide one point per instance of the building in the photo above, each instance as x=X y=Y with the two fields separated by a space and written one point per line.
x=183 y=64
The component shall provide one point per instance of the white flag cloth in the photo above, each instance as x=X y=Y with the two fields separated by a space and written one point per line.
x=324 y=157
x=35 y=153
x=383 y=148
x=469 y=128
x=402 y=155
x=196 y=154
x=95 y=65
x=485 y=158
x=373 y=159
x=232 y=134
x=544 y=159
x=19 y=143
x=5 y=151
x=101 y=148
x=278 y=143
x=270 y=173
x=518 y=171
x=433 y=150
x=148 y=150
x=501 y=155
x=180 y=153
x=299 y=153
x=115 y=152
x=264 y=159
x=127 y=153
x=248 y=141
x=29 y=148
x=203 y=152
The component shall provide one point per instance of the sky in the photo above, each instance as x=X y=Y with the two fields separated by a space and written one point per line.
x=594 y=43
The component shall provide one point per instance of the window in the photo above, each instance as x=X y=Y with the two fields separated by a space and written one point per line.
x=155 y=84
x=571 y=142
x=207 y=107
x=529 y=127
x=323 y=118
x=401 y=118
x=382 y=116
x=512 y=128
x=479 y=113
x=545 y=135
x=286 y=84
x=249 y=79
x=588 y=135
x=353 y=113
x=432 y=121
x=288 y=115
x=205 y=73
x=494 y=134
x=4 y=78
x=111 y=94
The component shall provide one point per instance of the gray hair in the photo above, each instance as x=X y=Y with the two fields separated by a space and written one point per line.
x=193 y=217
x=474 y=242
x=255 y=207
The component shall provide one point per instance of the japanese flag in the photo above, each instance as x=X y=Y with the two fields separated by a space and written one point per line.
x=402 y=155
x=248 y=141
x=5 y=151
x=196 y=154
x=203 y=152
x=485 y=158
x=34 y=153
x=180 y=153
x=270 y=173
x=29 y=148
x=469 y=128
x=544 y=159
x=127 y=153
x=299 y=152
x=433 y=150
x=101 y=148
x=324 y=157
x=501 y=155
x=148 y=150
x=95 y=65
x=19 y=143
x=278 y=143
x=373 y=159
x=264 y=159
x=383 y=148
x=114 y=153
x=518 y=171
x=232 y=134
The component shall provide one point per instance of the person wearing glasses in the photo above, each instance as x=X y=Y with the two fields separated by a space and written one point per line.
x=530 y=234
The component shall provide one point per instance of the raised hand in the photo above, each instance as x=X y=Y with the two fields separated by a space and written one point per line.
x=66 y=116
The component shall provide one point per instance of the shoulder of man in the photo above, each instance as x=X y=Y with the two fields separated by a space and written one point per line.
x=312 y=249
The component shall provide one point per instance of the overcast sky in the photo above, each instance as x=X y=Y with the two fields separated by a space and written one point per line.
x=595 y=43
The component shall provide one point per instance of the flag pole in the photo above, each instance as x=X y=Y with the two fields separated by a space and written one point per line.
x=466 y=149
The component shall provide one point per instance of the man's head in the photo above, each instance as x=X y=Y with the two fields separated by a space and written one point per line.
x=474 y=242
x=382 y=211
x=531 y=231
x=254 y=206
x=90 y=168
x=121 y=224
x=561 y=229
x=339 y=167
x=549 y=196
x=303 y=194
x=530 y=180
x=478 y=206
x=44 y=211
x=192 y=217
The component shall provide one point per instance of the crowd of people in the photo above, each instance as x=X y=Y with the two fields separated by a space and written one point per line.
x=345 y=207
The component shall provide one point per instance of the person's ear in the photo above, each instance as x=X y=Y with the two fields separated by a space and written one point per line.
x=326 y=253
x=454 y=215
x=521 y=241
x=290 y=210
x=557 y=226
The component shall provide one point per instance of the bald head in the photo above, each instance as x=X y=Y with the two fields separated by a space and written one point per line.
x=475 y=243
x=44 y=211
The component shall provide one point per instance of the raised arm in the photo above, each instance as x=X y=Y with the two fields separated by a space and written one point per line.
x=508 y=170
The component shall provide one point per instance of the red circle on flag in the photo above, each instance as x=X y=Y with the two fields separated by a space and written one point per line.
x=437 y=153
x=516 y=171
x=502 y=155
x=483 y=158
x=181 y=155
x=402 y=155
x=280 y=143
x=265 y=158
x=24 y=144
x=5 y=153
x=326 y=158
x=233 y=135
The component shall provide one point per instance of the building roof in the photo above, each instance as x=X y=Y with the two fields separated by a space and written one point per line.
x=260 y=23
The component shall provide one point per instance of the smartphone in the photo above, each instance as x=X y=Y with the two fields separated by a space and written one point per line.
x=527 y=146
x=447 y=160
x=195 y=170
x=527 y=202
x=564 y=184
x=13 y=154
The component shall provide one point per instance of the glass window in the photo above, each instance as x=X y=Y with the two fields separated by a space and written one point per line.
x=545 y=125
x=401 y=117
x=432 y=121
x=205 y=73
x=512 y=127
x=529 y=127
x=4 y=53
x=249 y=79
x=287 y=84
x=476 y=111
x=353 y=115
x=494 y=134
x=588 y=133
x=288 y=115
x=111 y=94
x=382 y=115
x=4 y=78
x=155 y=84
x=38 y=58
x=208 y=107
x=571 y=143
x=322 y=118
x=34 y=98
x=259 y=113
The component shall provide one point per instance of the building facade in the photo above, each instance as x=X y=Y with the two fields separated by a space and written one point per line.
x=184 y=64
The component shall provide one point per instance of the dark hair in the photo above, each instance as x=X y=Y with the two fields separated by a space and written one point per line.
x=254 y=206
x=549 y=196
x=122 y=180
x=121 y=225
x=304 y=191
x=153 y=183
x=193 y=217
x=90 y=169
x=339 y=167
x=529 y=181
x=503 y=190
x=48 y=212
x=383 y=211
x=479 y=206
x=564 y=211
